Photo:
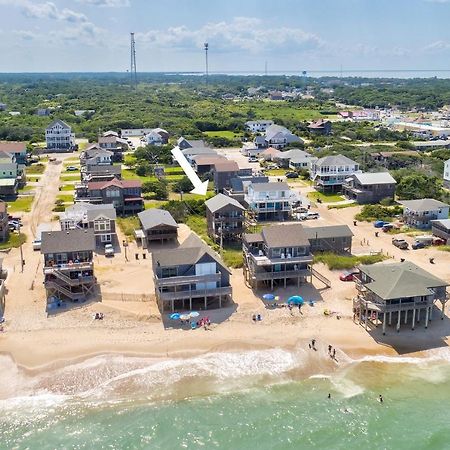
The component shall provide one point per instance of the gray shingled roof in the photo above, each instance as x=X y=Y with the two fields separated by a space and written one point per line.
x=221 y=200
x=154 y=217
x=289 y=235
x=328 y=231
x=188 y=253
x=335 y=160
x=68 y=241
x=375 y=178
x=294 y=153
x=424 y=204
x=392 y=281
x=444 y=222
x=91 y=211
x=270 y=187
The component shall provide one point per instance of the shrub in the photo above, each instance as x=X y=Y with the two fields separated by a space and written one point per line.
x=370 y=213
x=345 y=262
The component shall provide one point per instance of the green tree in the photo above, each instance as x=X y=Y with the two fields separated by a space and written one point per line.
x=417 y=186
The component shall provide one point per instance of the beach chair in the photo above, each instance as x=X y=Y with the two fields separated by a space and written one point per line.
x=193 y=325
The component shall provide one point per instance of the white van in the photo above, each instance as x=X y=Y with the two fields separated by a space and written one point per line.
x=42 y=228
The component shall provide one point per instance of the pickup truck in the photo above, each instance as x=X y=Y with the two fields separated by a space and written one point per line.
x=400 y=243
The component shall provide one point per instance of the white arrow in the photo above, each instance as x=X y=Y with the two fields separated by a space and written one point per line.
x=200 y=187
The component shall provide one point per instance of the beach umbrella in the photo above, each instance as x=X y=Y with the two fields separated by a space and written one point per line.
x=269 y=297
x=194 y=314
x=175 y=316
x=296 y=300
x=185 y=317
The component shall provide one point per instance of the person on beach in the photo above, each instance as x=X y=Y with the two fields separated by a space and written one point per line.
x=254 y=318
x=329 y=349
x=334 y=353
x=329 y=395
x=313 y=344
x=380 y=398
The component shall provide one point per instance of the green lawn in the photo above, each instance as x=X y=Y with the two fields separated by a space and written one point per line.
x=128 y=225
x=73 y=163
x=71 y=177
x=67 y=187
x=172 y=174
x=65 y=198
x=225 y=134
x=35 y=169
x=275 y=172
x=14 y=240
x=326 y=198
x=21 y=204
x=341 y=262
x=72 y=159
x=27 y=189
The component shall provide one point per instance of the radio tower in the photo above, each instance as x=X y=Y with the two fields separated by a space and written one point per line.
x=133 y=80
x=206 y=60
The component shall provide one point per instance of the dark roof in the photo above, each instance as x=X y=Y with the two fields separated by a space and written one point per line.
x=220 y=200
x=188 y=253
x=289 y=235
x=104 y=168
x=119 y=183
x=154 y=217
x=328 y=231
x=207 y=160
x=60 y=122
x=68 y=241
x=252 y=238
x=335 y=160
x=374 y=178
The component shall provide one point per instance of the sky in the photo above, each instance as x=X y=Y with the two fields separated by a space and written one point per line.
x=290 y=35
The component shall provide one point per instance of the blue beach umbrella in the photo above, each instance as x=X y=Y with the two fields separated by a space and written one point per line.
x=295 y=300
x=175 y=316
x=269 y=297
x=194 y=314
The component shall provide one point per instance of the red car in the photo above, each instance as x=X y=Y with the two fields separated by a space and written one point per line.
x=348 y=276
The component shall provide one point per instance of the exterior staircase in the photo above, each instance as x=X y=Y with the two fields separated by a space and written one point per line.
x=320 y=277
x=63 y=290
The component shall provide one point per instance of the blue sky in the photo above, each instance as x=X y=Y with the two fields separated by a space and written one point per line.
x=93 y=35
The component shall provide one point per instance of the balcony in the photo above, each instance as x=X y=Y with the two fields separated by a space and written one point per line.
x=189 y=279
x=194 y=293
x=88 y=265
x=261 y=276
x=263 y=260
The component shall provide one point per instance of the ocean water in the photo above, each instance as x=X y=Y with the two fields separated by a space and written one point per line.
x=273 y=399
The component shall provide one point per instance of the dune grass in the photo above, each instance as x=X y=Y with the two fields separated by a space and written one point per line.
x=21 y=204
x=345 y=262
x=14 y=240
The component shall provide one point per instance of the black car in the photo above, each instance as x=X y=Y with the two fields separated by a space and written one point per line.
x=291 y=175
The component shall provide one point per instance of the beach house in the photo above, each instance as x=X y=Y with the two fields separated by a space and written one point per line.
x=441 y=229
x=277 y=255
x=84 y=216
x=224 y=217
x=16 y=149
x=420 y=213
x=258 y=126
x=396 y=293
x=330 y=172
x=4 y=228
x=59 y=137
x=270 y=201
x=191 y=276
x=279 y=137
x=115 y=145
x=223 y=171
x=12 y=174
x=68 y=264
x=320 y=127
x=369 y=187
x=157 y=225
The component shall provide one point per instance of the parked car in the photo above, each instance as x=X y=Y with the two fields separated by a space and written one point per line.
x=388 y=227
x=291 y=175
x=109 y=250
x=400 y=243
x=438 y=241
x=308 y=215
x=379 y=223
x=14 y=225
x=349 y=275
x=417 y=244
x=252 y=159
x=52 y=159
x=71 y=168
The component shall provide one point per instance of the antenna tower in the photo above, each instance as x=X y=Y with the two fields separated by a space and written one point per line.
x=133 y=74
x=206 y=60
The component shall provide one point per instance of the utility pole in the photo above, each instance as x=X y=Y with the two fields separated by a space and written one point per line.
x=133 y=74
x=22 y=262
x=206 y=47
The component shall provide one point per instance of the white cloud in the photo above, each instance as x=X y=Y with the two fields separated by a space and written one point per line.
x=49 y=10
x=26 y=35
x=437 y=47
x=107 y=3
x=242 y=33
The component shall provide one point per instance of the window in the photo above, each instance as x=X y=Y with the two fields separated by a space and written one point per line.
x=102 y=225
x=105 y=238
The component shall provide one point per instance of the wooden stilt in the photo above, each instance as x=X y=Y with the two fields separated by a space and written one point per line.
x=384 y=322
x=390 y=318
x=190 y=303
x=220 y=301
x=206 y=303
x=398 y=320
x=426 y=317
x=443 y=310
x=413 y=319
x=406 y=317
x=418 y=316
